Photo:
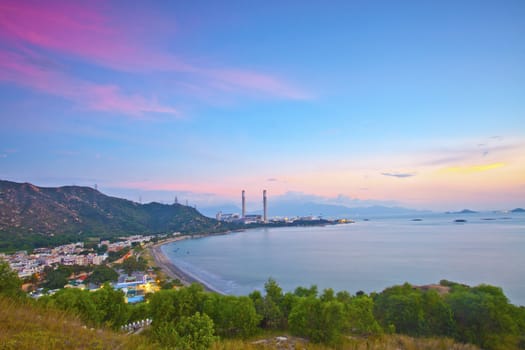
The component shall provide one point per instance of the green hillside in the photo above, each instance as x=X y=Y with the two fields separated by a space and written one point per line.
x=26 y=326
x=35 y=216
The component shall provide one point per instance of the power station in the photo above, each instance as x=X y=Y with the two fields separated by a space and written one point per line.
x=247 y=219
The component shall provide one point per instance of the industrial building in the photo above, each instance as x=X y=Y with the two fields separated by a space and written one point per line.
x=244 y=218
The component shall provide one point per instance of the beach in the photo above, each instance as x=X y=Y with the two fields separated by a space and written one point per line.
x=170 y=269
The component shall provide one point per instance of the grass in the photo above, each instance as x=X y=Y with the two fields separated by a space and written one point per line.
x=386 y=342
x=26 y=326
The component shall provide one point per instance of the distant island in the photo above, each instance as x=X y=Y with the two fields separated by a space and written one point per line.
x=469 y=211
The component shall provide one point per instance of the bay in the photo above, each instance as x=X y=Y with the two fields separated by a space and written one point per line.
x=366 y=255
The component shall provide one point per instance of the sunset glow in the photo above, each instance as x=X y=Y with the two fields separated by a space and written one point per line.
x=412 y=104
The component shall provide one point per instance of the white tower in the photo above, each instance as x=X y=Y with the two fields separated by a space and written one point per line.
x=243 y=205
x=265 y=208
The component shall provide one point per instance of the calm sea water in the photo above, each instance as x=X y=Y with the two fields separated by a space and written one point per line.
x=366 y=255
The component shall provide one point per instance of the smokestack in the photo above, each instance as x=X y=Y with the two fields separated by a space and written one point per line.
x=265 y=208
x=243 y=205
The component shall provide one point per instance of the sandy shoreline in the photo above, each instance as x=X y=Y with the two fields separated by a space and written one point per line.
x=164 y=263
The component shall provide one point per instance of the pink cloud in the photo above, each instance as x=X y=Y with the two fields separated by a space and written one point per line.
x=17 y=69
x=109 y=98
x=88 y=31
x=256 y=82
x=79 y=29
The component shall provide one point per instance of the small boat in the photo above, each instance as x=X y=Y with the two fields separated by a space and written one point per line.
x=460 y=220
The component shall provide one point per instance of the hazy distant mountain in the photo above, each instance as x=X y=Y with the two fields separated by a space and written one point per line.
x=464 y=211
x=292 y=208
x=518 y=210
x=28 y=210
x=333 y=210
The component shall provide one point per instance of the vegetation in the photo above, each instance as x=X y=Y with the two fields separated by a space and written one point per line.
x=32 y=216
x=188 y=332
x=9 y=282
x=480 y=315
x=134 y=264
x=105 y=307
x=190 y=318
x=26 y=326
x=56 y=278
x=102 y=274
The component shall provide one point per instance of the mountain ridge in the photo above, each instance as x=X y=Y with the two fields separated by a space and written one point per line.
x=28 y=210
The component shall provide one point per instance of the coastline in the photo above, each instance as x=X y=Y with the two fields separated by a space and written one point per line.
x=171 y=270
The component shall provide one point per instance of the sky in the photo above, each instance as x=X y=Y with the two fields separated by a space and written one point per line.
x=412 y=103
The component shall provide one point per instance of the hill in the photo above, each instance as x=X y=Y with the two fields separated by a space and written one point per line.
x=24 y=325
x=36 y=215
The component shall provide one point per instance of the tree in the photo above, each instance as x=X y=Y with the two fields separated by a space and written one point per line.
x=78 y=302
x=303 y=320
x=306 y=292
x=287 y=305
x=360 y=316
x=102 y=274
x=269 y=306
x=56 y=278
x=483 y=316
x=438 y=319
x=133 y=264
x=111 y=305
x=195 y=332
x=9 y=282
x=273 y=290
x=332 y=322
x=162 y=306
x=272 y=317
x=328 y=295
x=172 y=305
x=321 y=322
x=400 y=307
x=232 y=316
x=343 y=296
x=189 y=300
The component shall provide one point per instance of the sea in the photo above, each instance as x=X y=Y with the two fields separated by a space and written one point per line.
x=368 y=255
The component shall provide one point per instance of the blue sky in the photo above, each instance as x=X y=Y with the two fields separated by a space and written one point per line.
x=417 y=103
